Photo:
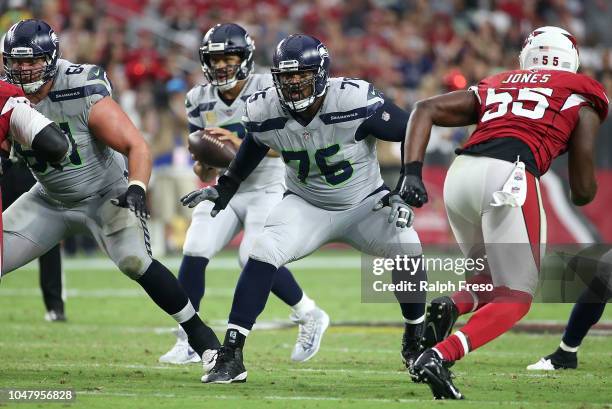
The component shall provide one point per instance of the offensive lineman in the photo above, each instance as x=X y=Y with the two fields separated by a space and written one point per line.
x=325 y=130
x=534 y=114
x=226 y=56
x=88 y=191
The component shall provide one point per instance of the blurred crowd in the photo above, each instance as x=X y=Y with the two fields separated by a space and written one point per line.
x=410 y=49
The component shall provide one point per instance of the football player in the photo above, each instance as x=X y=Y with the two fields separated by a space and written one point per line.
x=325 y=130
x=226 y=55
x=525 y=119
x=596 y=262
x=89 y=189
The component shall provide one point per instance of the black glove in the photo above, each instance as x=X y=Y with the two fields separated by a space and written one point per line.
x=220 y=194
x=410 y=185
x=135 y=199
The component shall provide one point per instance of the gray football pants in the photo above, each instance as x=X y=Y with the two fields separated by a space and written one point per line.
x=34 y=224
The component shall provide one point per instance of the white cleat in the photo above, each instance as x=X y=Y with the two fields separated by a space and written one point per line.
x=542 y=365
x=312 y=325
x=181 y=353
x=209 y=359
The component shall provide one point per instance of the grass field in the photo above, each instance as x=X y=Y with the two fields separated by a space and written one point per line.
x=108 y=350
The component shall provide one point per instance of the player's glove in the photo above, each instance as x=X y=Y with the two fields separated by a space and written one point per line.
x=401 y=214
x=135 y=199
x=410 y=185
x=220 y=194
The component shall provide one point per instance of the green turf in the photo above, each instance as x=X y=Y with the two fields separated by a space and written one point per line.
x=108 y=352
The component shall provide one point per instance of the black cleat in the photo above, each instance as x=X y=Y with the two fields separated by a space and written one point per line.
x=229 y=367
x=411 y=346
x=432 y=370
x=559 y=359
x=55 y=316
x=440 y=319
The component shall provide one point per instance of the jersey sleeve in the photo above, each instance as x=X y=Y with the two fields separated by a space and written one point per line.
x=97 y=85
x=260 y=119
x=356 y=101
x=24 y=122
x=192 y=107
x=588 y=92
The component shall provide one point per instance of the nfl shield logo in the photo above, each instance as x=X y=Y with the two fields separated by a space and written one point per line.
x=306 y=135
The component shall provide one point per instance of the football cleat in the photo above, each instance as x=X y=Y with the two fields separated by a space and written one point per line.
x=440 y=318
x=55 y=316
x=432 y=370
x=312 y=326
x=228 y=367
x=559 y=359
x=181 y=353
x=209 y=358
x=411 y=346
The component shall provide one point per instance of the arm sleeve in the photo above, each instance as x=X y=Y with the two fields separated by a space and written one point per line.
x=51 y=143
x=25 y=122
x=388 y=123
x=248 y=157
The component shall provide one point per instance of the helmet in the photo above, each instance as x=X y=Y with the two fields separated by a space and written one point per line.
x=550 y=48
x=300 y=53
x=224 y=39
x=30 y=39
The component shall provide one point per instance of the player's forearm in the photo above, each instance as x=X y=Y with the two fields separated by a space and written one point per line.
x=139 y=163
x=248 y=157
x=417 y=133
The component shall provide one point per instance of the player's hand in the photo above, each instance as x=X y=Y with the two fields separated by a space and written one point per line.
x=412 y=190
x=224 y=135
x=410 y=185
x=401 y=214
x=220 y=194
x=204 y=172
x=135 y=199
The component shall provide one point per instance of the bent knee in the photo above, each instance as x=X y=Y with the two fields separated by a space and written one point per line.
x=133 y=266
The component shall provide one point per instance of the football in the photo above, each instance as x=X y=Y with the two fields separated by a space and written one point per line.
x=210 y=150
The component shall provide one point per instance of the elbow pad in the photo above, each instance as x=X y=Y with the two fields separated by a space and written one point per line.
x=51 y=143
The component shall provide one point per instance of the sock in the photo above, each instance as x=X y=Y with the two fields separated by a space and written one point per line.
x=286 y=288
x=489 y=322
x=566 y=348
x=165 y=291
x=234 y=338
x=582 y=318
x=304 y=306
x=191 y=277
x=412 y=303
x=469 y=301
x=251 y=293
x=199 y=335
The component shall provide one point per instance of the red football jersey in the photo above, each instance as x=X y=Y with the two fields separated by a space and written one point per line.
x=538 y=107
x=7 y=91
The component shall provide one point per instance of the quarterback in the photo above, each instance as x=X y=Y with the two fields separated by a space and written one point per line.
x=325 y=130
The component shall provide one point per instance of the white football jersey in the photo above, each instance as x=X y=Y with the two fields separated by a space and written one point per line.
x=326 y=165
x=206 y=109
